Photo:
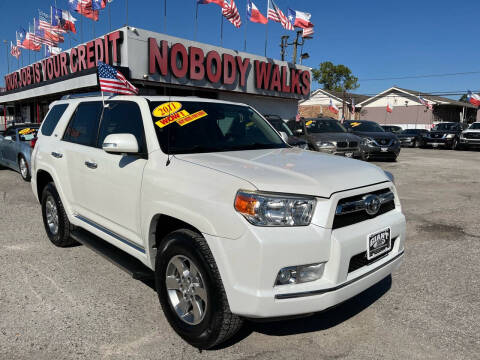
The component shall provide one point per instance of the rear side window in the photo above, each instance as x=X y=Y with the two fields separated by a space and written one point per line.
x=122 y=117
x=52 y=119
x=83 y=127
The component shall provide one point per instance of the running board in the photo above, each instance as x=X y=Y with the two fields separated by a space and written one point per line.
x=113 y=254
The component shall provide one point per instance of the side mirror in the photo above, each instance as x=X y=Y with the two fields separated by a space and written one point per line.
x=284 y=136
x=120 y=144
x=9 y=138
x=299 y=131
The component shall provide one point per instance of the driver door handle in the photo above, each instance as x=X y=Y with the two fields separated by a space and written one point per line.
x=91 y=165
x=57 y=155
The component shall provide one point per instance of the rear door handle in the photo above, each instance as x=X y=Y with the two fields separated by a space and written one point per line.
x=91 y=165
x=57 y=155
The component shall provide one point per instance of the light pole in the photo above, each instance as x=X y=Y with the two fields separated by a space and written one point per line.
x=6 y=53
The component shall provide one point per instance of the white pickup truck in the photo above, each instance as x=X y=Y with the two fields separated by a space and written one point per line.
x=233 y=222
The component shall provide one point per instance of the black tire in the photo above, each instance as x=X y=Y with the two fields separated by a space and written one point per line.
x=25 y=176
x=218 y=323
x=61 y=237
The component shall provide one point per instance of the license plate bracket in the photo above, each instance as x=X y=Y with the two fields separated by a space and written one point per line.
x=384 y=149
x=349 y=154
x=379 y=243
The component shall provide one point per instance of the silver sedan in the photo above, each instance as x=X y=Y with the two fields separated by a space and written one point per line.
x=16 y=146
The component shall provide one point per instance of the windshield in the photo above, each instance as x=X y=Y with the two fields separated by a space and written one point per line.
x=27 y=134
x=324 y=126
x=412 y=131
x=364 y=126
x=280 y=125
x=445 y=126
x=196 y=127
x=475 y=126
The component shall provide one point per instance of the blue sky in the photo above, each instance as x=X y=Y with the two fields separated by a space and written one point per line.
x=376 y=39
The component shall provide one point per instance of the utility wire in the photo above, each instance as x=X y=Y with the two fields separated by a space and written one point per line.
x=422 y=76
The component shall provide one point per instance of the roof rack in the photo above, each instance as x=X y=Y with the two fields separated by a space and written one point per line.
x=81 y=95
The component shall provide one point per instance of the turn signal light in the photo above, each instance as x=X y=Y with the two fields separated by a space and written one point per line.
x=33 y=142
x=245 y=204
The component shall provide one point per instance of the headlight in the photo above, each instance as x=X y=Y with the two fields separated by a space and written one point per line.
x=326 y=145
x=462 y=136
x=390 y=176
x=263 y=209
x=450 y=136
x=368 y=141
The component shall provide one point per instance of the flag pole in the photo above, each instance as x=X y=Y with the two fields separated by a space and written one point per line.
x=245 y=31
x=221 y=29
x=164 y=16
x=266 y=37
x=196 y=20
x=126 y=12
x=109 y=19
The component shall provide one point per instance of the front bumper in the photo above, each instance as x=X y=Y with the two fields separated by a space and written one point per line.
x=249 y=265
x=387 y=152
x=440 y=142
x=470 y=142
x=353 y=153
x=407 y=142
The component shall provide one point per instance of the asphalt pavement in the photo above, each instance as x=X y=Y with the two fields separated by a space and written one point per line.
x=73 y=304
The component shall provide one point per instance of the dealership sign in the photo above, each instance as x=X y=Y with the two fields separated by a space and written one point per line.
x=173 y=61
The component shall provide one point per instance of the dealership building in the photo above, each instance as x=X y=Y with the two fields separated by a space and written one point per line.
x=157 y=64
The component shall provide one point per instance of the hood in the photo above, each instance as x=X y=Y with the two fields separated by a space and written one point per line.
x=376 y=135
x=333 y=137
x=292 y=170
x=472 y=131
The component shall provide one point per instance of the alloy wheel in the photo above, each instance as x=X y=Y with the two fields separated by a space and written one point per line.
x=23 y=167
x=186 y=289
x=51 y=213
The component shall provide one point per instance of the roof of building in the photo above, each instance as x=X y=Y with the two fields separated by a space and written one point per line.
x=338 y=95
x=436 y=100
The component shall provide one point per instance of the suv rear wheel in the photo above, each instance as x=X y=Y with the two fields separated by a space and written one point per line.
x=55 y=218
x=191 y=292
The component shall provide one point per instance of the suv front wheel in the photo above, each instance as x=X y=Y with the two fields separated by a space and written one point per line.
x=55 y=218
x=191 y=292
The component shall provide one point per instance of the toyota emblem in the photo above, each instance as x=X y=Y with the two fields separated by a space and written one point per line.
x=372 y=204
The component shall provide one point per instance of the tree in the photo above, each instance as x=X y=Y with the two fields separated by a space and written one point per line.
x=335 y=77
x=463 y=98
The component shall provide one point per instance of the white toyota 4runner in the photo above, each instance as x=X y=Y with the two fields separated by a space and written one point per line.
x=234 y=222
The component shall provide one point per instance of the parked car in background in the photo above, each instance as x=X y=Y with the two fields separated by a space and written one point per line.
x=327 y=135
x=470 y=138
x=444 y=134
x=16 y=146
x=377 y=144
x=392 y=128
x=280 y=125
x=412 y=137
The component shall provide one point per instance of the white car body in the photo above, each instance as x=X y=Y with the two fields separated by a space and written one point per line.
x=471 y=136
x=121 y=203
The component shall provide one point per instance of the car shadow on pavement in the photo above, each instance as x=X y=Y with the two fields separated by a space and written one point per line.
x=320 y=321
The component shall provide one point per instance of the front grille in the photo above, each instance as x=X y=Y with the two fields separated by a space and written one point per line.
x=360 y=260
x=472 y=135
x=354 y=144
x=355 y=216
x=383 y=141
x=342 y=144
x=436 y=136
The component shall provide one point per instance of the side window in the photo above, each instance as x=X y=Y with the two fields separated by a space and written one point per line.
x=122 y=117
x=83 y=126
x=52 y=119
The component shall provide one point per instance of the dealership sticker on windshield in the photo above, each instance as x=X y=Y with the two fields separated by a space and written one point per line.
x=195 y=116
x=26 y=131
x=355 y=124
x=309 y=122
x=172 y=118
x=166 y=109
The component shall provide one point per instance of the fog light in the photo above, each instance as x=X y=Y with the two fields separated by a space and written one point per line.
x=300 y=274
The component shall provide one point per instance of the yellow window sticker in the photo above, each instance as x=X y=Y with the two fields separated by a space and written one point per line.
x=26 y=131
x=166 y=109
x=355 y=124
x=172 y=118
x=195 y=116
x=309 y=122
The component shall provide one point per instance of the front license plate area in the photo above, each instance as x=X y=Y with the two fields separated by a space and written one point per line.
x=378 y=243
x=348 y=154
x=384 y=149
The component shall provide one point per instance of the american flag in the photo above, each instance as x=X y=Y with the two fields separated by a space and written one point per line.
x=231 y=13
x=425 y=102
x=274 y=13
x=112 y=81
x=308 y=32
x=44 y=21
x=14 y=50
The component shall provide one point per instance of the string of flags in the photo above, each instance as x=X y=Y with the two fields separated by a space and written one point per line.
x=49 y=28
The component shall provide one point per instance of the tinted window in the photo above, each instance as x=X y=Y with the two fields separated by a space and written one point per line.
x=475 y=126
x=280 y=125
x=447 y=127
x=52 y=119
x=363 y=126
x=212 y=127
x=83 y=126
x=324 y=126
x=122 y=117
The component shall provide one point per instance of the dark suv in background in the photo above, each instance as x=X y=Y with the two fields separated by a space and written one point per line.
x=280 y=125
x=327 y=135
x=376 y=144
x=392 y=128
x=412 y=137
x=444 y=134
